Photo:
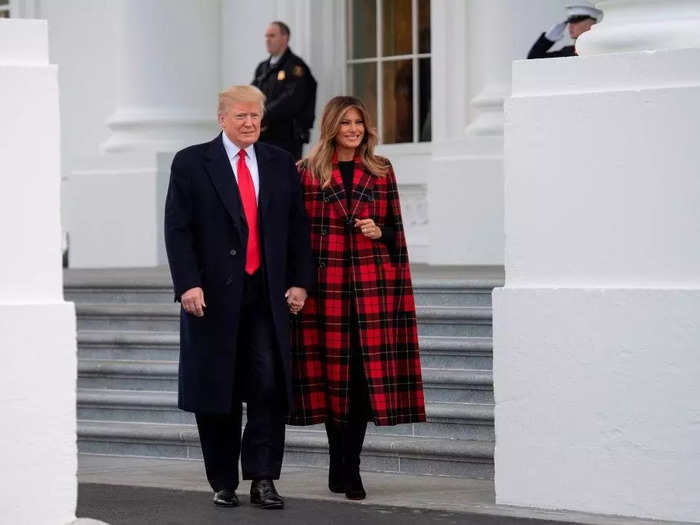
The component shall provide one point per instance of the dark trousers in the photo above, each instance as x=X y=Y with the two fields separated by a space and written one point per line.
x=345 y=440
x=260 y=383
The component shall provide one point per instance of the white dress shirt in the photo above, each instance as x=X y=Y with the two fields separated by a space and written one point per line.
x=250 y=159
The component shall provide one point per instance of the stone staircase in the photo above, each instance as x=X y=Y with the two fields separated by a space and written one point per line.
x=127 y=375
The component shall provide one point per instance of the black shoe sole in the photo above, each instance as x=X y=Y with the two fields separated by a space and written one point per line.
x=355 y=497
x=224 y=504
x=269 y=506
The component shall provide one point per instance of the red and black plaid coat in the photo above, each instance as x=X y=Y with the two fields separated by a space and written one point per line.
x=353 y=271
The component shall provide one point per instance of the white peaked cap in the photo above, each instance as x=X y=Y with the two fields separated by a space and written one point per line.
x=583 y=9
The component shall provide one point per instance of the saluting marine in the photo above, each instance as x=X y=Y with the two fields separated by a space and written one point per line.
x=286 y=81
x=581 y=18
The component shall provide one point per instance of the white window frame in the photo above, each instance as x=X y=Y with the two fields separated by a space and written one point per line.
x=8 y=8
x=414 y=56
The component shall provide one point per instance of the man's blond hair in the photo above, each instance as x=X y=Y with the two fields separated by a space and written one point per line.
x=242 y=93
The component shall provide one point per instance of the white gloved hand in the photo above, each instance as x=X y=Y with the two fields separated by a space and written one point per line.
x=556 y=32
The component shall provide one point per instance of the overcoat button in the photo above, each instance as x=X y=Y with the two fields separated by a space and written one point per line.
x=321 y=264
x=229 y=280
x=233 y=252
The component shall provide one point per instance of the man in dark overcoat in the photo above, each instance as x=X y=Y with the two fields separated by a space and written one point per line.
x=290 y=89
x=237 y=238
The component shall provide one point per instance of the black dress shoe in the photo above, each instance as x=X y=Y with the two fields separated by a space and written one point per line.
x=264 y=494
x=353 y=486
x=226 y=498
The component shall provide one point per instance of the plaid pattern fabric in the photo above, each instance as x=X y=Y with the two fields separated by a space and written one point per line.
x=353 y=271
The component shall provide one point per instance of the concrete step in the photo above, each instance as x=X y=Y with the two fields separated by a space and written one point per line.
x=128 y=345
x=441 y=385
x=475 y=353
x=415 y=455
x=454 y=321
x=436 y=351
x=445 y=420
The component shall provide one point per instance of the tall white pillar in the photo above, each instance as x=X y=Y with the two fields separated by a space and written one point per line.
x=596 y=331
x=474 y=44
x=169 y=62
x=169 y=59
x=491 y=53
x=37 y=328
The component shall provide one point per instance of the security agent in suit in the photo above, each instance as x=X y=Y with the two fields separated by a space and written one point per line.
x=237 y=238
x=290 y=89
x=580 y=19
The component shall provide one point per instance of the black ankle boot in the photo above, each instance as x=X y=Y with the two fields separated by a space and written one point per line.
x=353 y=439
x=353 y=484
x=335 y=464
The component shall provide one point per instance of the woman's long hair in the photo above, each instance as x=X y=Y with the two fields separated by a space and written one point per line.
x=321 y=158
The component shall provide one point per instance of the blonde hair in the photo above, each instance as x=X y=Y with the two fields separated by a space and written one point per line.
x=321 y=157
x=243 y=93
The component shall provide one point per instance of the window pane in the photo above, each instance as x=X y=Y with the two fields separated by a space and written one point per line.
x=364 y=86
x=424 y=26
x=398 y=101
x=364 y=28
x=4 y=2
x=396 y=16
x=4 y=14
x=425 y=132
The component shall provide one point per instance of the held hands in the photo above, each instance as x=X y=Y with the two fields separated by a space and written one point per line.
x=368 y=228
x=556 y=32
x=193 y=301
x=295 y=299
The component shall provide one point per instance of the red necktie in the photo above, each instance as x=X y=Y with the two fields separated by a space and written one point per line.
x=250 y=208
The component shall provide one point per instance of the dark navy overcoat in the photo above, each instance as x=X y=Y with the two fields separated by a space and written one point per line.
x=205 y=236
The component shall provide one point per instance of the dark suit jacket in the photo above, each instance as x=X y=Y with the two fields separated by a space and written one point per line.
x=206 y=236
x=540 y=49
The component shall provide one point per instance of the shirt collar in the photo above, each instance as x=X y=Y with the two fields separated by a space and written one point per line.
x=232 y=150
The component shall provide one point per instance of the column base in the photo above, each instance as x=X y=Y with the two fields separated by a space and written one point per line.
x=597 y=400
x=38 y=398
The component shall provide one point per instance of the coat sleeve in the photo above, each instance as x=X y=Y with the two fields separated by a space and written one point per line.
x=398 y=250
x=292 y=98
x=299 y=258
x=179 y=238
x=540 y=47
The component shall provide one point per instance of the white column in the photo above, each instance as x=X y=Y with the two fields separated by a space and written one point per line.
x=169 y=60
x=596 y=331
x=37 y=329
x=643 y=25
x=491 y=57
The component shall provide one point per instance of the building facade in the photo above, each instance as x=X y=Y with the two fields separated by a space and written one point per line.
x=139 y=81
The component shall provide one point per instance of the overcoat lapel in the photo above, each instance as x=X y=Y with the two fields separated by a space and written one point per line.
x=264 y=180
x=363 y=184
x=335 y=192
x=219 y=168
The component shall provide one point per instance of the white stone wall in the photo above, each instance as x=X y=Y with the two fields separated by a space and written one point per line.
x=596 y=331
x=37 y=329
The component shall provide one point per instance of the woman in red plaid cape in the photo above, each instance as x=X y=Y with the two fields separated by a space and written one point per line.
x=355 y=343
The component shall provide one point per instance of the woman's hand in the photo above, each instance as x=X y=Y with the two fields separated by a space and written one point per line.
x=368 y=228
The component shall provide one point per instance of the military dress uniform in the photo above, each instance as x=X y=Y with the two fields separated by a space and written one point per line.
x=541 y=49
x=291 y=99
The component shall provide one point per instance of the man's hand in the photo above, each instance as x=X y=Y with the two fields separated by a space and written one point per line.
x=295 y=299
x=193 y=301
